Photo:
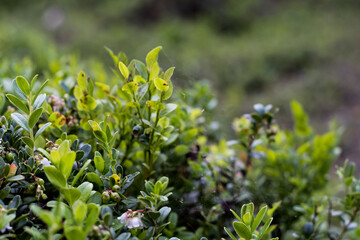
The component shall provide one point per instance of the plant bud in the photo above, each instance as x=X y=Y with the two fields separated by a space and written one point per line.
x=44 y=196
x=116 y=188
x=105 y=197
x=115 y=196
x=3 y=120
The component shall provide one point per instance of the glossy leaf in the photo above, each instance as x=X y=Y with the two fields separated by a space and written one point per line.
x=34 y=117
x=18 y=103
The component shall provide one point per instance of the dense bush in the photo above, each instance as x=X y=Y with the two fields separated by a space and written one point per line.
x=127 y=157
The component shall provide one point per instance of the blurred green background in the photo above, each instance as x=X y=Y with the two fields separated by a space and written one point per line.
x=250 y=51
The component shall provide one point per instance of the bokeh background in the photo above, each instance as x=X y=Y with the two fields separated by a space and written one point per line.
x=249 y=51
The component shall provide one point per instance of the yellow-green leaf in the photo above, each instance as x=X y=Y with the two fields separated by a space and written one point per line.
x=124 y=70
x=131 y=88
x=161 y=84
x=152 y=56
x=82 y=81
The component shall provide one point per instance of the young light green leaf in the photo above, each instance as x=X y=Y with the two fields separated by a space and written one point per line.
x=55 y=176
x=169 y=92
x=168 y=74
x=66 y=163
x=18 y=103
x=99 y=162
x=131 y=88
x=235 y=214
x=124 y=70
x=42 y=129
x=34 y=117
x=242 y=230
x=264 y=228
x=92 y=217
x=23 y=84
x=259 y=217
x=152 y=56
x=39 y=101
x=155 y=105
x=70 y=194
x=21 y=121
x=161 y=84
x=230 y=234
x=32 y=82
x=82 y=81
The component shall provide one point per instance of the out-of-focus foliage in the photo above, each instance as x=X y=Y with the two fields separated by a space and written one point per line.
x=248 y=49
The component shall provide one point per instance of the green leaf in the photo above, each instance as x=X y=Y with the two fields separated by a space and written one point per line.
x=18 y=103
x=169 y=108
x=94 y=178
x=79 y=209
x=39 y=101
x=66 y=163
x=181 y=150
x=70 y=194
x=99 y=162
x=55 y=176
x=235 y=214
x=82 y=81
x=42 y=129
x=230 y=234
x=85 y=189
x=169 y=92
x=100 y=135
x=168 y=74
x=92 y=217
x=111 y=53
x=21 y=121
x=80 y=172
x=74 y=233
x=152 y=56
x=131 y=88
x=155 y=105
x=141 y=69
x=124 y=70
x=247 y=218
x=28 y=141
x=259 y=217
x=242 y=230
x=39 y=90
x=23 y=84
x=161 y=84
x=44 y=215
x=33 y=80
x=34 y=117
x=15 y=178
x=264 y=228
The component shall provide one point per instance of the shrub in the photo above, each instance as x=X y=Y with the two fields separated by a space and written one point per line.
x=117 y=158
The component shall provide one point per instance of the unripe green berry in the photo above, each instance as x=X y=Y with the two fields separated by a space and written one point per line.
x=10 y=156
x=40 y=181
